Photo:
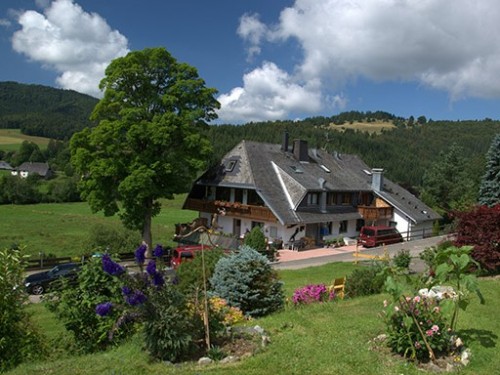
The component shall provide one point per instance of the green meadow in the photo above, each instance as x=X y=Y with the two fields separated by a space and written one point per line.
x=11 y=139
x=329 y=338
x=61 y=229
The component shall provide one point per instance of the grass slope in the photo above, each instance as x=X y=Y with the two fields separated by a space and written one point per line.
x=369 y=127
x=11 y=139
x=62 y=229
x=330 y=338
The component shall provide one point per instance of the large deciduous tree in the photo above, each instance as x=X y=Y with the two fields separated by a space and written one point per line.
x=489 y=191
x=148 y=143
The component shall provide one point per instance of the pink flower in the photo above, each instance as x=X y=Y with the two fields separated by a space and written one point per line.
x=435 y=328
x=429 y=332
x=436 y=309
x=416 y=299
x=417 y=345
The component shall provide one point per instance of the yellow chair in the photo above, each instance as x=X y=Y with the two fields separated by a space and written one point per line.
x=338 y=287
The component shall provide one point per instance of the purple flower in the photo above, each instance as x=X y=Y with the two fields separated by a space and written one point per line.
x=158 y=251
x=126 y=290
x=158 y=279
x=136 y=298
x=103 y=309
x=111 y=267
x=151 y=268
x=140 y=254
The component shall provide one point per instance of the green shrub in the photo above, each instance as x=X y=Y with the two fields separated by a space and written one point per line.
x=412 y=324
x=430 y=253
x=168 y=326
x=402 y=259
x=246 y=280
x=111 y=239
x=19 y=339
x=75 y=305
x=366 y=281
x=257 y=241
x=190 y=274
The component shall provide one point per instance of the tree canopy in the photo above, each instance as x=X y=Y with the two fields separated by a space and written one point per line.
x=489 y=191
x=148 y=143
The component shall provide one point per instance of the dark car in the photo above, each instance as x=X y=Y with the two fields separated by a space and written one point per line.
x=38 y=283
x=379 y=235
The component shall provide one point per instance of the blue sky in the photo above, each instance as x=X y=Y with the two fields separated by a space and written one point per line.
x=275 y=60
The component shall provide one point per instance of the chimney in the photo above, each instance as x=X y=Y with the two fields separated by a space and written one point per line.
x=377 y=179
x=284 y=143
x=322 y=196
x=300 y=150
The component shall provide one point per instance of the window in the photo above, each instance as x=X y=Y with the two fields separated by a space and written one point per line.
x=229 y=165
x=312 y=199
x=346 y=199
x=343 y=226
x=359 y=224
x=273 y=232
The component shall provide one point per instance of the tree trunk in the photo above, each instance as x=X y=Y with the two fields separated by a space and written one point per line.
x=146 y=232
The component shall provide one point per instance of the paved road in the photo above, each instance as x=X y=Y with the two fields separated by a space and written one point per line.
x=415 y=247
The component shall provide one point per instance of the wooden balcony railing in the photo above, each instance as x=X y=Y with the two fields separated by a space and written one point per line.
x=236 y=209
x=375 y=213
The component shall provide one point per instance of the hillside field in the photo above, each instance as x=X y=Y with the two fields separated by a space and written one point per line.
x=369 y=127
x=11 y=139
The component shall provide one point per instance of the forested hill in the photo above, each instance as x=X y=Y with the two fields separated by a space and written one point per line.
x=406 y=150
x=44 y=111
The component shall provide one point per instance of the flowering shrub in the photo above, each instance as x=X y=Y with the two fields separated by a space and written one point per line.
x=416 y=328
x=230 y=315
x=312 y=293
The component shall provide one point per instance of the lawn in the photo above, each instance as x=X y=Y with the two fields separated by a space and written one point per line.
x=62 y=228
x=330 y=338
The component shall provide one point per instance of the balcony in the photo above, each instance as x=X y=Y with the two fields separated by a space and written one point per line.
x=234 y=209
x=372 y=213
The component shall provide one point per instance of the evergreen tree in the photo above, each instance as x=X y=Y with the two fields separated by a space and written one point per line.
x=489 y=191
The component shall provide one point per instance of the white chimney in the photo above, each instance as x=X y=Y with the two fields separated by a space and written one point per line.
x=377 y=179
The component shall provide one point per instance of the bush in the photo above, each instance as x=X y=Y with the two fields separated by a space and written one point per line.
x=111 y=239
x=246 y=280
x=484 y=237
x=366 y=281
x=312 y=293
x=75 y=305
x=257 y=241
x=412 y=324
x=430 y=253
x=168 y=327
x=402 y=259
x=190 y=274
x=19 y=340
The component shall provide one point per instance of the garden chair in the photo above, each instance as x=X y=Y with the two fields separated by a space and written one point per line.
x=338 y=287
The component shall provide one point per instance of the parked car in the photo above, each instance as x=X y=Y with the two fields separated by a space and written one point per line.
x=185 y=253
x=371 y=236
x=39 y=283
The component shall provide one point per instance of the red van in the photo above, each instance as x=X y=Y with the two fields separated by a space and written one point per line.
x=185 y=253
x=379 y=235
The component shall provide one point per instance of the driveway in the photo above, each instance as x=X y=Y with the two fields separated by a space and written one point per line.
x=289 y=259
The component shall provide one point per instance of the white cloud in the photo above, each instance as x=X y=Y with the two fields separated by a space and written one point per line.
x=253 y=31
x=447 y=44
x=76 y=44
x=268 y=94
x=450 y=45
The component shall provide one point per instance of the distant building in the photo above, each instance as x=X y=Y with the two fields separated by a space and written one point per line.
x=294 y=192
x=5 y=166
x=27 y=168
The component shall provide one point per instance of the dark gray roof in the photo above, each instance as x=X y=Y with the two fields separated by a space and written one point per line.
x=5 y=165
x=41 y=169
x=282 y=181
